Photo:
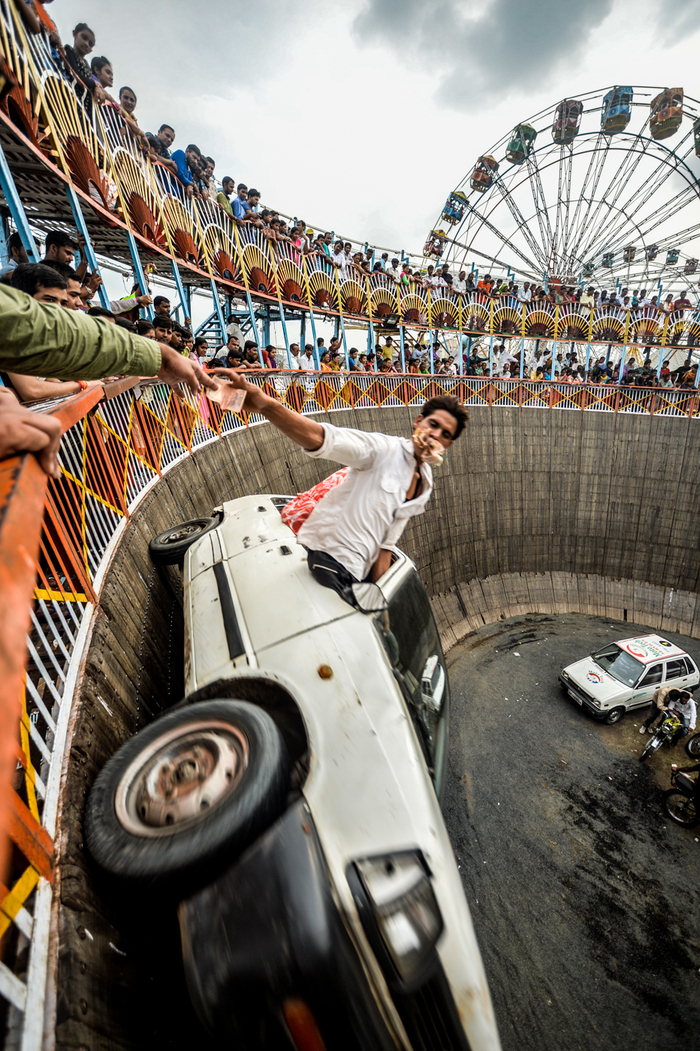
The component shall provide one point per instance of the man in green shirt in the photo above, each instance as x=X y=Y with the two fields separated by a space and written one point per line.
x=43 y=339
x=223 y=197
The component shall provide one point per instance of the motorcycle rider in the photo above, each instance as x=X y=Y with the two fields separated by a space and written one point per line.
x=689 y=770
x=679 y=701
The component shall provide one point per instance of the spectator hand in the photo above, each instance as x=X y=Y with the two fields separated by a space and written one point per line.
x=176 y=369
x=255 y=398
x=25 y=431
x=94 y=281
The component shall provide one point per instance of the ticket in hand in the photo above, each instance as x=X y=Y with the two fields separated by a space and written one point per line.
x=229 y=398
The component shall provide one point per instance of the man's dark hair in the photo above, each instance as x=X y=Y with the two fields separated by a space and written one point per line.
x=309 y=346
x=30 y=277
x=193 y=149
x=210 y=160
x=160 y=299
x=14 y=241
x=99 y=62
x=674 y=695
x=447 y=403
x=253 y=193
x=250 y=344
x=64 y=269
x=124 y=322
x=242 y=186
x=59 y=239
x=160 y=321
x=167 y=127
x=227 y=178
x=100 y=312
x=144 y=326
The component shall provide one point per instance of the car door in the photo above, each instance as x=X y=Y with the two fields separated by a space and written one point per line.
x=676 y=673
x=647 y=685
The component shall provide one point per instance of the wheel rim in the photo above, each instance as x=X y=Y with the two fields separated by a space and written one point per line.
x=681 y=809
x=694 y=745
x=179 y=533
x=180 y=777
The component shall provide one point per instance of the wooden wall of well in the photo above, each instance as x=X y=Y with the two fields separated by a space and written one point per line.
x=534 y=511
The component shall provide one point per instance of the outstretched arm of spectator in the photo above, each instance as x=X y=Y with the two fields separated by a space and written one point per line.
x=300 y=429
x=40 y=339
x=25 y=431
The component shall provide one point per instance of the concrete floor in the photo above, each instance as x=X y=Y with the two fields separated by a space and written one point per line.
x=586 y=901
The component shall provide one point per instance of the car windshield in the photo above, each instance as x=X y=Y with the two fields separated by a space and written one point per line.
x=619 y=664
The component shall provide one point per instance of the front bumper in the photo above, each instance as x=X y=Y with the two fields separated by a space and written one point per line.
x=581 y=698
x=268 y=929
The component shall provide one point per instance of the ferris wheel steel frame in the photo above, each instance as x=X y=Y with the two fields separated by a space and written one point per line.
x=575 y=231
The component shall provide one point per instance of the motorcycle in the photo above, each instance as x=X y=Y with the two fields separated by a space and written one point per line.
x=680 y=803
x=692 y=746
x=663 y=732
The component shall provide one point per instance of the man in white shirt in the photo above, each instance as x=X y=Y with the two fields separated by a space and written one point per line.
x=525 y=294
x=306 y=361
x=290 y=358
x=459 y=284
x=350 y=532
x=505 y=358
x=394 y=271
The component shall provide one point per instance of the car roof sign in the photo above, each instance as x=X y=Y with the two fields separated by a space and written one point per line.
x=649 y=648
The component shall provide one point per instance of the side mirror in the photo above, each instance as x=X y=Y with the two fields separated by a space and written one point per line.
x=368 y=598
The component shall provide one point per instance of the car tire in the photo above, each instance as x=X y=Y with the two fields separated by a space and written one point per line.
x=614 y=716
x=692 y=746
x=680 y=808
x=186 y=795
x=168 y=548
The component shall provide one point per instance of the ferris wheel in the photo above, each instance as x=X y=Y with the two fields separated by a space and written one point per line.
x=600 y=189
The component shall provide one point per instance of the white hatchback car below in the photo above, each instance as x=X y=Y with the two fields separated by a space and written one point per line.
x=626 y=674
x=291 y=805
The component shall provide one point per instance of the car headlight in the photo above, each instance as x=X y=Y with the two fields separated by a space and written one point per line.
x=404 y=909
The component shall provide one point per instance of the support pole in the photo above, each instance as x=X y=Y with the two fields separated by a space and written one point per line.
x=622 y=365
x=181 y=291
x=491 y=356
x=588 y=359
x=253 y=321
x=302 y=334
x=90 y=251
x=522 y=357
x=138 y=268
x=345 y=344
x=283 y=319
x=19 y=216
x=217 y=308
x=317 y=356
x=403 y=349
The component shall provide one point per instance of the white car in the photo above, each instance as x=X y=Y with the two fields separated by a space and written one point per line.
x=291 y=804
x=625 y=675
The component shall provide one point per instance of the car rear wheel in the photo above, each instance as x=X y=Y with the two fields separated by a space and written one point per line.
x=168 y=548
x=680 y=808
x=187 y=794
x=614 y=716
x=692 y=746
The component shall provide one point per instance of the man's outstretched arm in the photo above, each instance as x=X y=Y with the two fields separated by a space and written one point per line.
x=305 y=432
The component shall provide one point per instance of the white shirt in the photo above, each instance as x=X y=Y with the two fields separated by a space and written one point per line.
x=459 y=286
x=689 y=710
x=524 y=295
x=369 y=510
x=395 y=273
x=307 y=364
x=505 y=358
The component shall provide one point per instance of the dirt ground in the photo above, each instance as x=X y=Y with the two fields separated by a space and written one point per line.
x=585 y=899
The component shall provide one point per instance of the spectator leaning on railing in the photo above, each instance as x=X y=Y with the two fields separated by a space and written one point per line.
x=39 y=338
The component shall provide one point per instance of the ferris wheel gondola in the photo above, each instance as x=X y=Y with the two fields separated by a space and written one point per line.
x=606 y=196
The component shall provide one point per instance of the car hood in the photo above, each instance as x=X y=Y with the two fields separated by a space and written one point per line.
x=594 y=680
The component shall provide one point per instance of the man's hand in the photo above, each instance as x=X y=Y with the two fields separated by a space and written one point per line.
x=144 y=301
x=176 y=369
x=25 y=431
x=255 y=399
x=93 y=281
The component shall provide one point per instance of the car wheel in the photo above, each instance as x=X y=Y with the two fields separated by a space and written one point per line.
x=692 y=746
x=680 y=808
x=614 y=716
x=187 y=794
x=168 y=548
